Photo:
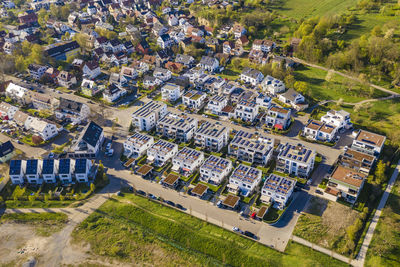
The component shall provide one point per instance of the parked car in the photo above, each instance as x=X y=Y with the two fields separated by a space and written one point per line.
x=179 y=206
x=250 y=234
x=140 y=192
x=108 y=146
x=152 y=196
x=236 y=229
x=170 y=203
x=319 y=192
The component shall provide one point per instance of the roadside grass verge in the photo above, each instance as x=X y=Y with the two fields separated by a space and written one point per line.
x=148 y=232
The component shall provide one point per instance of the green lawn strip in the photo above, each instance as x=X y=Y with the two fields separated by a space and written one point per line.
x=114 y=228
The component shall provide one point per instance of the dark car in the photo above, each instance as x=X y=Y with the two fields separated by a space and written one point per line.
x=319 y=192
x=179 y=206
x=152 y=196
x=171 y=203
x=250 y=234
x=140 y=192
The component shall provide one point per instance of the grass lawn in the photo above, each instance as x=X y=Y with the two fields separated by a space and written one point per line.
x=150 y=233
x=384 y=249
x=305 y=8
x=45 y=223
x=324 y=86
x=324 y=223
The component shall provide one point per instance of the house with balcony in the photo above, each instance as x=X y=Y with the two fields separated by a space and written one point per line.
x=36 y=71
x=215 y=169
x=347 y=182
x=211 y=136
x=252 y=76
x=194 y=99
x=17 y=171
x=90 y=140
x=49 y=170
x=66 y=79
x=368 y=142
x=277 y=190
x=73 y=111
x=244 y=180
x=358 y=161
x=171 y=92
x=210 y=64
x=162 y=74
x=90 y=88
x=146 y=117
x=43 y=128
x=187 y=160
x=137 y=144
x=91 y=69
x=296 y=160
x=7 y=151
x=43 y=101
x=216 y=104
x=272 y=86
x=7 y=111
x=246 y=110
x=319 y=131
x=278 y=118
x=340 y=119
x=249 y=147
x=18 y=93
x=293 y=98
x=161 y=152
x=178 y=127
x=265 y=46
x=32 y=171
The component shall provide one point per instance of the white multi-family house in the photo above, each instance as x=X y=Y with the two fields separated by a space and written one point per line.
x=291 y=97
x=18 y=93
x=367 y=142
x=49 y=170
x=113 y=92
x=90 y=88
x=210 y=64
x=161 y=152
x=194 y=99
x=43 y=101
x=279 y=118
x=22 y=120
x=129 y=73
x=295 y=160
x=357 y=160
x=187 y=160
x=171 y=92
x=65 y=170
x=180 y=127
x=340 y=119
x=251 y=76
x=277 y=190
x=263 y=101
x=17 y=171
x=150 y=81
x=263 y=45
x=215 y=169
x=320 y=131
x=140 y=67
x=91 y=69
x=186 y=60
x=7 y=111
x=66 y=79
x=74 y=111
x=246 y=110
x=137 y=144
x=33 y=170
x=238 y=30
x=165 y=41
x=82 y=170
x=162 y=74
x=216 y=104
x=36 y=71
x=90 y=140
x=347 y=182
x=43 y=128
x=248 y=147
x=148 y=115
x=211 y=136
x=244 y=179
x=272 y=85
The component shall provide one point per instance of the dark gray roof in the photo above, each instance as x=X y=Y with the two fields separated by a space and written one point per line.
x=92 y=134
x=6 y=148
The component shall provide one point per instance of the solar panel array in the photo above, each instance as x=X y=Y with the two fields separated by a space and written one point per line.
x=15 y=167
x=179 y=121
x=64 y=166
x=148 y=109
x=80 y=165
x=188 y=155
x=162 y=147
x=48 y=166
x=245 y=173
x=31 y=166
x=139 y=139
x=246 y=140
x=298 y=153
x=278 y=184
x=215 y=164
x=211 y=129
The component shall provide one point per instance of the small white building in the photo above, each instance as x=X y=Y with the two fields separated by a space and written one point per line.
x=216 y=104
x=65 y=169
x=162 y=74
x=215 y=169
x=187 y=160
x=161 y=152
x=112 y=93
x=263 y=101
x=171 y=92
x=368 y=142
x=295 y=160
x=49 y=170
x=245 y=179
x=43 y=128
x=251 y=76
x=82 y=170
x=340 y=119
x=246 y=110
x=18 y=93
x=137 y=144
x=32 y=171
x=90 y=139
x=210 y=64
x=36 y=71
x=292 y=98
x=7 y=111
x=17 y=171
x=91 y=69
x=211 y=136
x=148 y=115
x=277 y=190
x=279 y=118
x=194 y=99
x=319 y=131
x=272 y=85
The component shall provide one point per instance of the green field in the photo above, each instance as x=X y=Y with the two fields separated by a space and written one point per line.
x=299 y=9
x=385 y=246
x=324 y=86
x=144 y=232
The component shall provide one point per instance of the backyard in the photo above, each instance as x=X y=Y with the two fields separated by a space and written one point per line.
x=135 y=230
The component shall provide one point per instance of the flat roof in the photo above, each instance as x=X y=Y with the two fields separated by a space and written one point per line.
x=144 y=170
x=370 y=138
x=261 y=212
x=231 y=201
x=171 y=179
x=199 y=189
x=129 y=162
x=348 y=176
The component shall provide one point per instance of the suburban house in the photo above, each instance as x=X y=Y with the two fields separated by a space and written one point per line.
x=194 y=99
x=65 y=170
x=7 y=151
x=43 y=101
x=210 y=64
x=66 y=79
x=43 y=128
x=82 y=170
x=148 y=115
x=90 y=140
x=17 y=171
x=165 y=41
x=215 y=169
x=263 y=45
x=7 y=111
x=171 y=92
x=18 y=93
x=248 y=147
x=49 y=170
x=211 y=136
x=295 y=160
x=279 y=118
x=63 y=51
x=137 y=144
x=112 y=93
x=246 y=110
x=292 y=98
x=33 y=171
x=367 y=142
x=150 y=81
x=186 y=60
x=272 y=85
x=319 y=131
x=90 y=88
x=263 y=101
x=187 y=160
x=36 y=71
x=161 y=152
x=251 y=76
x=22 y=120
x=129 y=73
x=91 y=69
x=277 y=190
x=71 y=110
x=244 y=180
x=162 y=74
x=340 y=119
x=357 y=161
x=216 y=104
x=179 y=127
x=347 y=182
x=238 y=30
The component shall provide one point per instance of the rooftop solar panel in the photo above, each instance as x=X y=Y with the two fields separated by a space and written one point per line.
x=48 y=166
x=64 y=166
x=15 y=167
x=31 y=166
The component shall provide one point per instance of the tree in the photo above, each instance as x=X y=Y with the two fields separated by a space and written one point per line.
x=92 y=187
x=31 y=198
x=62 y=198
x=37 y=139
x=380 y=172
x=301 y=87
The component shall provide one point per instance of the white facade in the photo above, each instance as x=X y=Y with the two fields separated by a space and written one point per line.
x=246 y=110
x=246 y=178
x=147 y=116
x=340 y=119
x=7 y=110
x=161 y=152
x=211 y=136
x=277 y=190
x=43 y=128
x=179 y=127
x=216 y=104
x=215 y=169
x=370 y=143
x=251 y=76
x=162 y=74
x=171 y=92
x=272 y=85
x=137 y=144
x=295 y=160
x=18 y=93
x=187 y=160
x=320 y=131
x=82 y=170
x=194 y=99
x=279 y=118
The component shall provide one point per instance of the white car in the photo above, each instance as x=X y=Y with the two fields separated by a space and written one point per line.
x=108 y=146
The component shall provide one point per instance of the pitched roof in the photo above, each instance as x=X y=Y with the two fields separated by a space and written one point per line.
x=6 y=148
x=92 y=134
